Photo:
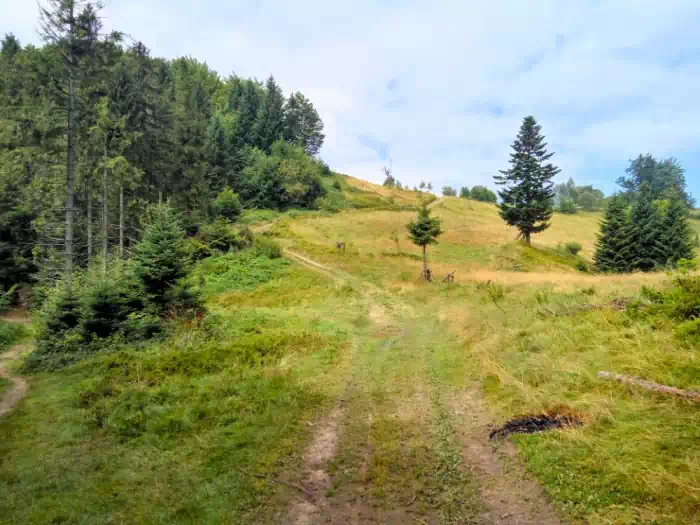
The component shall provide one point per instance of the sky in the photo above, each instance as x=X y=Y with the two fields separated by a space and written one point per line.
x=438 y=89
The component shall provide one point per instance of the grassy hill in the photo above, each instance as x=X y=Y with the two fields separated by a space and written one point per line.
x=344 y=374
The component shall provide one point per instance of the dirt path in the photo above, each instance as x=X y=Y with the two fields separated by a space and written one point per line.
x=506 y=496
x=19 y=386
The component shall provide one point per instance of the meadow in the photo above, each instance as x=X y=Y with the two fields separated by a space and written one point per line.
x=343 y=372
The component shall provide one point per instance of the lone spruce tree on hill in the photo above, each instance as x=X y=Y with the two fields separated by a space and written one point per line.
x=526 y=197
x=612 y=240
x=424 y=231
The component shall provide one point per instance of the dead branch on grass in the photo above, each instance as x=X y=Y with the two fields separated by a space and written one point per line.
x=650 y=385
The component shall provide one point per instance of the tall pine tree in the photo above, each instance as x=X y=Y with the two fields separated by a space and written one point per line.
x=644 y=250
x=527 y=186
x=676 y=237
x=612 y=241
x=269 y=123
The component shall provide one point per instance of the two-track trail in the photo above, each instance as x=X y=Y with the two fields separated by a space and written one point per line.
x=402 y=445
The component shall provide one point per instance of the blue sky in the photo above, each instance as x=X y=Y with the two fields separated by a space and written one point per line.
x=439 y=88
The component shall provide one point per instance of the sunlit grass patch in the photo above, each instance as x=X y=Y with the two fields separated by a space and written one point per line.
x=634 y=458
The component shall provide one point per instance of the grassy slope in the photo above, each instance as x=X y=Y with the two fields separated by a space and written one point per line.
x=164 y=434
x=634 y=462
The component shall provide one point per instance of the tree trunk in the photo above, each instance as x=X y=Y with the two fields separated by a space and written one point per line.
x=70 y=181
x=70 y=162
x=121 y=221
x=425 y=261
x=89 y=223
x=526 y=236
x=105 y=238
x=160 y=198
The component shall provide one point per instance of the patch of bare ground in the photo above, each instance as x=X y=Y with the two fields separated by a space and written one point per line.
x=19 y=387
x=509 y=496
x=316 y=480
x=17 y=317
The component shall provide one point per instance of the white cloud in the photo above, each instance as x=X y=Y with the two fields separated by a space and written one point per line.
x=606 y=80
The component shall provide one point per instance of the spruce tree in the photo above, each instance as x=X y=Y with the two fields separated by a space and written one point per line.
x=527 y=186
x=162 y=258
x=424 y=231
x=677 y=239
x=644 y=250
x=612 y=241
x=269 y=123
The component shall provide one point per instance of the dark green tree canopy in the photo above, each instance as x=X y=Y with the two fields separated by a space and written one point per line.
x=659 y=176
x=425 y=229
x=676 y=235
x=269 y=122
x=613 y=238
x=526 y=197
x=464 y=192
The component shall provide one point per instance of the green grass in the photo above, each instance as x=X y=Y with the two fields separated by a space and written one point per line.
x=634 y=460
x=170 y=433
x=10 y=334
x=239 y=271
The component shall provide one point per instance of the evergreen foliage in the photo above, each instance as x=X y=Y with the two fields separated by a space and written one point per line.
x=424 y=231
x=228 y=205
x=161 y=259
x=93 y=131
x=527 y=186
x=269 y=123
x=644 y=250
x=676 y=236
x=464 y=192
x=612 y=240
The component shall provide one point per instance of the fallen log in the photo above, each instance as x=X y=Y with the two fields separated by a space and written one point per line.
x=649 y=385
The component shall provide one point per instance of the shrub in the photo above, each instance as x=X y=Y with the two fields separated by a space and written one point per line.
x=573 y=247
x=689 y=331
x=219 y=236
x=10 y=334
x=60 y=339
x=267 y=247
x=107 y=304
x=228 y=205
